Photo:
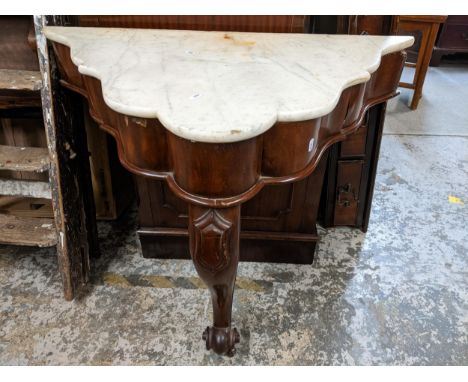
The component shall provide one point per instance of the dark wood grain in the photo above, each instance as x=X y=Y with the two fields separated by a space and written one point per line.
x=264 y=23
x=277 y=225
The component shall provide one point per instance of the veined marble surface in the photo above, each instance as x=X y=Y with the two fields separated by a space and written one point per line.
x=223 y=86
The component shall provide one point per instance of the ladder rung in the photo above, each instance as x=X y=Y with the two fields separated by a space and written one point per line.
x=20 y=80
x=24 y=158
x=32 y=188
x=26 y=207
x=27 y=231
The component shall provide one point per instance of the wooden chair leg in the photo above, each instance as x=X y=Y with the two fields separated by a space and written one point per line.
x=424 y=57
x=429 y=34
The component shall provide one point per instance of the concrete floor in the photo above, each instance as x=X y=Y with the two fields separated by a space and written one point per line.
x=397 y=295
x=441 y=111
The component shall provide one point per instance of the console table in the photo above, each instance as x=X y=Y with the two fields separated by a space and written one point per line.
x=219 y=115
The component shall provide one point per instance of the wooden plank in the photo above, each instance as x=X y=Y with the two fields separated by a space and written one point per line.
x=32 y=188
x=27 y=231
x=100 y=170
x=14 y=158
x=24 y=80
x=11 y=99
x=112 y=184
x=23 y=132
x=26 y=207
x=423 y=18
x=19 y=88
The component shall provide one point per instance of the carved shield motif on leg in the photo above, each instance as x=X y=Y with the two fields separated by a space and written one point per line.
x=210 y=248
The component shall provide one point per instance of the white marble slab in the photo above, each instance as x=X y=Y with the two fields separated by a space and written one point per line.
x=223 y=86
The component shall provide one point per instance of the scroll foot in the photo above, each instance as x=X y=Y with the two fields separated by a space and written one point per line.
x=221 y=340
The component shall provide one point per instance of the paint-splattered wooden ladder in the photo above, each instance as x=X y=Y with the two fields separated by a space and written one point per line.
x=73 y=228
x=20 y=89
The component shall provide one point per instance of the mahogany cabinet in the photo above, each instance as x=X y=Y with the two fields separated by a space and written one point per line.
x=351 y=166
x=452 y=38
x=277 y=225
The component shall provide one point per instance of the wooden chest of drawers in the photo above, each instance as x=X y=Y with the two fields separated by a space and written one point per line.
x=453 y=38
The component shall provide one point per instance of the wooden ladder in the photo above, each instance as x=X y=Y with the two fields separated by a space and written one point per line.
x=66 y=160
x=21 y=89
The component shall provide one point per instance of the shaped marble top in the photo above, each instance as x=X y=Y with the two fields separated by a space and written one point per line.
x=223 y=86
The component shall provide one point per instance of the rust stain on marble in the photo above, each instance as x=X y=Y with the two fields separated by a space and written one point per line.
x=227 y=36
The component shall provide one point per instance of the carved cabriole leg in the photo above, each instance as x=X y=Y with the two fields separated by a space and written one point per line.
x=214 y=247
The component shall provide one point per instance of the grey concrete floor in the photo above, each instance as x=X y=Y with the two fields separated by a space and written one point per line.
x=397 y=295
x=442 y=109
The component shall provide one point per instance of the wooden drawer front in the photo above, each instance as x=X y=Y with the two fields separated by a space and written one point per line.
x=355 y=144
x=454 y=36
x=347 y=192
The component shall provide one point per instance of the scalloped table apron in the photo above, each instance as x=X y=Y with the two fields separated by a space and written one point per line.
x=219 y=115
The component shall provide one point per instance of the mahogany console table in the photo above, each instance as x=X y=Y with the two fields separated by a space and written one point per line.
x=219 y=115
